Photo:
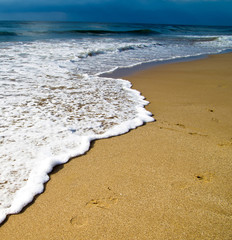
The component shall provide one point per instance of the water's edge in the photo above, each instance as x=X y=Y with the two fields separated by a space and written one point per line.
x=129 y=70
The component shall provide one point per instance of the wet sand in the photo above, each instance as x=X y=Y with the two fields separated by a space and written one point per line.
x=169 y=179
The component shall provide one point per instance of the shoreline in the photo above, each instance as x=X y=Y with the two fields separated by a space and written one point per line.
x=168 y=179
x=123 y=72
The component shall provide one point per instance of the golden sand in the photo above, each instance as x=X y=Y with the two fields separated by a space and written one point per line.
x=170 y=179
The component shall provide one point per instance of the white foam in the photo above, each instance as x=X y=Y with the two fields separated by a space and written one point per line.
x=50 y=113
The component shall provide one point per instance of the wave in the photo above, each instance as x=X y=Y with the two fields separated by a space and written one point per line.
x=141 y=32
x=93 y=53
x=102 y=32
x=204 y=39
x=126 y=48
x=8 y=33
x=195 y=39
x=99 y=52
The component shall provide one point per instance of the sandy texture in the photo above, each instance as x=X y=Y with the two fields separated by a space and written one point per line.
x=170 y=179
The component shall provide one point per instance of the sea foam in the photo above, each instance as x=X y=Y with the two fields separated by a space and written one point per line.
x=49 y=114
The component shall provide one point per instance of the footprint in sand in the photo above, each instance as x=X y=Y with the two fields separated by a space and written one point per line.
x=104 y=203
x=79 y=220
x=198 y=134
x=226 y=144
x=180 y=125
x=172 y=129
x=204 y=177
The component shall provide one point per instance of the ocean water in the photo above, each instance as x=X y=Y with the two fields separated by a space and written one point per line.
x=54 y=100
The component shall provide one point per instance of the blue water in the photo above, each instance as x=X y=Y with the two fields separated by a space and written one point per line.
x=124 y=44
x=30 y=31
x=54 y=99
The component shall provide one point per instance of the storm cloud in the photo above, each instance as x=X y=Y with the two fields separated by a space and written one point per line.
x=207 y=12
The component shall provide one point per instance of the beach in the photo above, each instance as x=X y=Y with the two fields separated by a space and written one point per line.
x=169 y=179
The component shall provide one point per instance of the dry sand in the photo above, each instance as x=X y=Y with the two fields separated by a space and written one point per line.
x=170 y=179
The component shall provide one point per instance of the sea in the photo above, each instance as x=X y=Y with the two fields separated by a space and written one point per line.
x=55 y=97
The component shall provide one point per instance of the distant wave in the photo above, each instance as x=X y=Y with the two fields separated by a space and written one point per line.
x=205 y=39
x=126 y=48
x=99 y=52
x=83 y=32
x=102 y=32
x=119 y=49
x=8 y=34
x=91 y=54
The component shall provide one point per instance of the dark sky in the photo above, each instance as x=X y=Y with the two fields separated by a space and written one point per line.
x=204 y=12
